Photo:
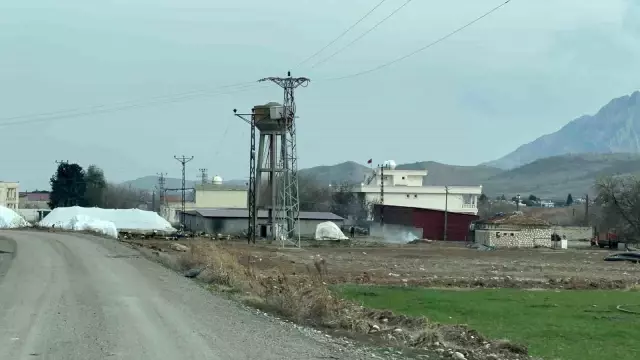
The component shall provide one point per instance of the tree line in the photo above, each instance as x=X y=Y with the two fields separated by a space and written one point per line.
x=71 y=185
x=615 y=207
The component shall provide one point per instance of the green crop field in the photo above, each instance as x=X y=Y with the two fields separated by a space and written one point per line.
x=569 y=325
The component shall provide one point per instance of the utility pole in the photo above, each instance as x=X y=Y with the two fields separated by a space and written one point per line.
x=161 y=190
x=586 y=209
x=446 y=212
x=288 y=208
x=203 y=176
x=382 y=195
x=252 y=204
x=183 y=160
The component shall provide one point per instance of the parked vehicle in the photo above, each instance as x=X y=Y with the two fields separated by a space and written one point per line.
x=606 y=239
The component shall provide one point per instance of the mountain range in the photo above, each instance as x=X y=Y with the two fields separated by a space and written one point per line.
x=567 y=161
x=615 y=128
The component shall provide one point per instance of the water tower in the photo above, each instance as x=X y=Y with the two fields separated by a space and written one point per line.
x=273 y=178
x=271 y=169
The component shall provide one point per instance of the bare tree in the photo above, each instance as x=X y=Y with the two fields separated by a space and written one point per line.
x=487 y=209
x=125 y=197
x=618 y=202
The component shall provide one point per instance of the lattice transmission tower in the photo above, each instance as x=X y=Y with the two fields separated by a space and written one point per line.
x=287 y=207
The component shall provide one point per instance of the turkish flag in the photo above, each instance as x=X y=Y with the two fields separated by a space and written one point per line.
x=369 y=161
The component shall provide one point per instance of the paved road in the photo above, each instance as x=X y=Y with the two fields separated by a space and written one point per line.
x=77 y=297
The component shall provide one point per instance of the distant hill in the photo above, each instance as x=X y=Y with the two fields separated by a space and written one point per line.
x=149 y=183
x=615 y=128
x=551 y=178
x=334 y=174
x=557 y=176
x=443 y=174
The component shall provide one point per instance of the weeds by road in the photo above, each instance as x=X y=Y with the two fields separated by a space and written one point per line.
x=305 y=298
x=555 y=324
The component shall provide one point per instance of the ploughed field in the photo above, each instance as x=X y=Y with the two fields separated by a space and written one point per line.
x=435 y=264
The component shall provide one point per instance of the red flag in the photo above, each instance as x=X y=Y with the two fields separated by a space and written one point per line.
x=369 y=161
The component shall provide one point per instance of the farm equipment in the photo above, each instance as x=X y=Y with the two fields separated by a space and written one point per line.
x=606 y=239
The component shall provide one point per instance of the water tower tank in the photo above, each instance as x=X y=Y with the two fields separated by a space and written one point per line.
x=389 y=164
x=269 y=116
x=217 y=180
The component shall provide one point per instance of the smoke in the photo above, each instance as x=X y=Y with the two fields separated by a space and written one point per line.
x=396 y=234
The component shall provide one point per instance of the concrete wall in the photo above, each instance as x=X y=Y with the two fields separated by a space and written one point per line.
x=9 y=194
x=234 y=199
x=238 y=226
x=463 y=199
x=514 y=237
x=33 y=215
x=171 y=211
x=572 y=233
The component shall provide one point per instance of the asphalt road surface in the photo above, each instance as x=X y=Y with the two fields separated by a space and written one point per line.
x=77 y=297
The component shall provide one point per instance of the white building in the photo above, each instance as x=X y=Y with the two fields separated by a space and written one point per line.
x=9 y=194
x=213 y=195
x=405 y=188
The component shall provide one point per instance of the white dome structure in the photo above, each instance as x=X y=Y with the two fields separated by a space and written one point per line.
x=217 y=180
x=389 y=164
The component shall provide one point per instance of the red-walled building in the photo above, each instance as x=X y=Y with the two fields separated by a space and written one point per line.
x=430 y=221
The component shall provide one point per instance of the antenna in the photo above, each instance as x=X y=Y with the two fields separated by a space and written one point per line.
x=204 y=178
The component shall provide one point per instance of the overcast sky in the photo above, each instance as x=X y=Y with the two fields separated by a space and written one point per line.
x=522 y=72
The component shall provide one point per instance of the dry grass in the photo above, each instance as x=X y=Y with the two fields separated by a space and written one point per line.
x=305 y=298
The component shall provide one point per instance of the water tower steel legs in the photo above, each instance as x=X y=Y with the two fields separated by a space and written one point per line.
x=268 y=164
x=289 y=204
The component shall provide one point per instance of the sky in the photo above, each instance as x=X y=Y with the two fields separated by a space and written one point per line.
x=524 y=71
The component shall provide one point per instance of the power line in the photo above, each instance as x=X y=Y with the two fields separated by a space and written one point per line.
x=222 y=138
x=343 y=33
x=363 y=35
x=66 y=111
x=103 y=109
x=424 y=47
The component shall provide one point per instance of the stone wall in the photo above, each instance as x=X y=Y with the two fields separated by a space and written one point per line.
x=515 y=238
x=572 y=233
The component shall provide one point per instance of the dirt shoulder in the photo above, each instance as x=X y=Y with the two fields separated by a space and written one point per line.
x=8 y=248
x=295 y=283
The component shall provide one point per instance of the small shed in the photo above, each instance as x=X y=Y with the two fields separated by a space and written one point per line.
x=514 y=230
x=235 y=221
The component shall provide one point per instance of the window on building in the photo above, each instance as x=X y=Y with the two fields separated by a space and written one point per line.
x=415 y=196
x=407 y=196
x=469 y=199
x=403 y=178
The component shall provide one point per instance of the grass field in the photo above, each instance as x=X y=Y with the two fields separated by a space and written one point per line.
x=566 y=325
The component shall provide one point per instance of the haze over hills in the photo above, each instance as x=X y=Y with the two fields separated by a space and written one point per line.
x=149 y=183
x=555 y=177
x=615 y=128
x=550 y=178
